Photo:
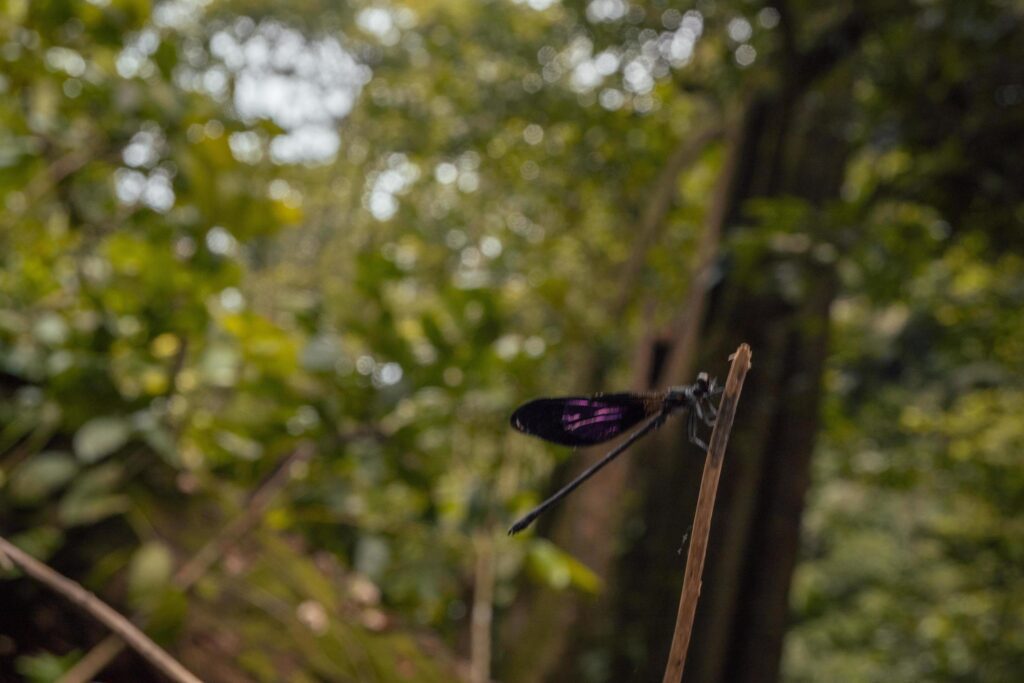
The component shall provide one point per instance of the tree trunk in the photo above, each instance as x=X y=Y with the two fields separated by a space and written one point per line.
x=792 y=147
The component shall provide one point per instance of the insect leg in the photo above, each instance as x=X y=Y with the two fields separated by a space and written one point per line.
x=712 y=413
x=691 y=431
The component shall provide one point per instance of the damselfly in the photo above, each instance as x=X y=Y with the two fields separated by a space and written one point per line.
x=588 y=420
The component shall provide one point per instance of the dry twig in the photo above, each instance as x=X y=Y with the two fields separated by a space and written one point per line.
x=99 y=610
x=103 y=653
x=702 y=517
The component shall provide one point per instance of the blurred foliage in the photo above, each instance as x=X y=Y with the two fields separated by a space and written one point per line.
x=915 y=538
x=915 y=529
x=422 y=224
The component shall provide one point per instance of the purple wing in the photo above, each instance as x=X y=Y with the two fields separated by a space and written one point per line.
x=584 y=420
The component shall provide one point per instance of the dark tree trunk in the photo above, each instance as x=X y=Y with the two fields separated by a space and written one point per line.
x=792 y=147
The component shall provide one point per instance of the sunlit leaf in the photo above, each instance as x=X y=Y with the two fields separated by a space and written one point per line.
x=558 y=569
x=88 y=509
x=40 y=542
x=46 y=667
x=149 y=571
x=41 y=475
x=100 y=437
x=92 y=496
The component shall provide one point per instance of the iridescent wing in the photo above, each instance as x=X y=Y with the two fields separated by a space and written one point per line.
x=584 y=420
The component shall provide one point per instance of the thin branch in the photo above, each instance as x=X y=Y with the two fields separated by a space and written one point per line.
x=702 y=517
x=483 y=609
x=103 y=653
x=687 y=323
x=653 y=220
x=99 y=610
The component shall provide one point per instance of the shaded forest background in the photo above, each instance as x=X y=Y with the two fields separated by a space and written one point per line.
x=274 y=275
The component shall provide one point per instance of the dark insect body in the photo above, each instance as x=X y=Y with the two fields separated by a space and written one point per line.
x=589 y=420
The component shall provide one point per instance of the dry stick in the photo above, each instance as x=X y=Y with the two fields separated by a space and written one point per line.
x=103 y=653
x=99 y=610
x=702 y=517
x=483 y=608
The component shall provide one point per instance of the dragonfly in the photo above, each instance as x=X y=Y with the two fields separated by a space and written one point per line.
x=589 y=420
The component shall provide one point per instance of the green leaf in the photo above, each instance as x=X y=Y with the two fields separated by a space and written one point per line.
x=51 y=329
x=90 y=499
x=46 y=667
x=79 y=510
x=99 y=479
x=149 y=571
x=167 y=611
x=238 y=445
x=321 y=354
x=41 y=475
x=157 y=436
x=558 y=569
x=40 y=542
x=100 y=437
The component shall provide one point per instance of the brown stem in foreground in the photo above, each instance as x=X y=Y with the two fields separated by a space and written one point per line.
x=99 y=610
x=702 y=517
x=102 y=654
x=483 y=609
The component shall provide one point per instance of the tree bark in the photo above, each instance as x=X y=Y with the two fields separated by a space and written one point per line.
x=780 y=305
